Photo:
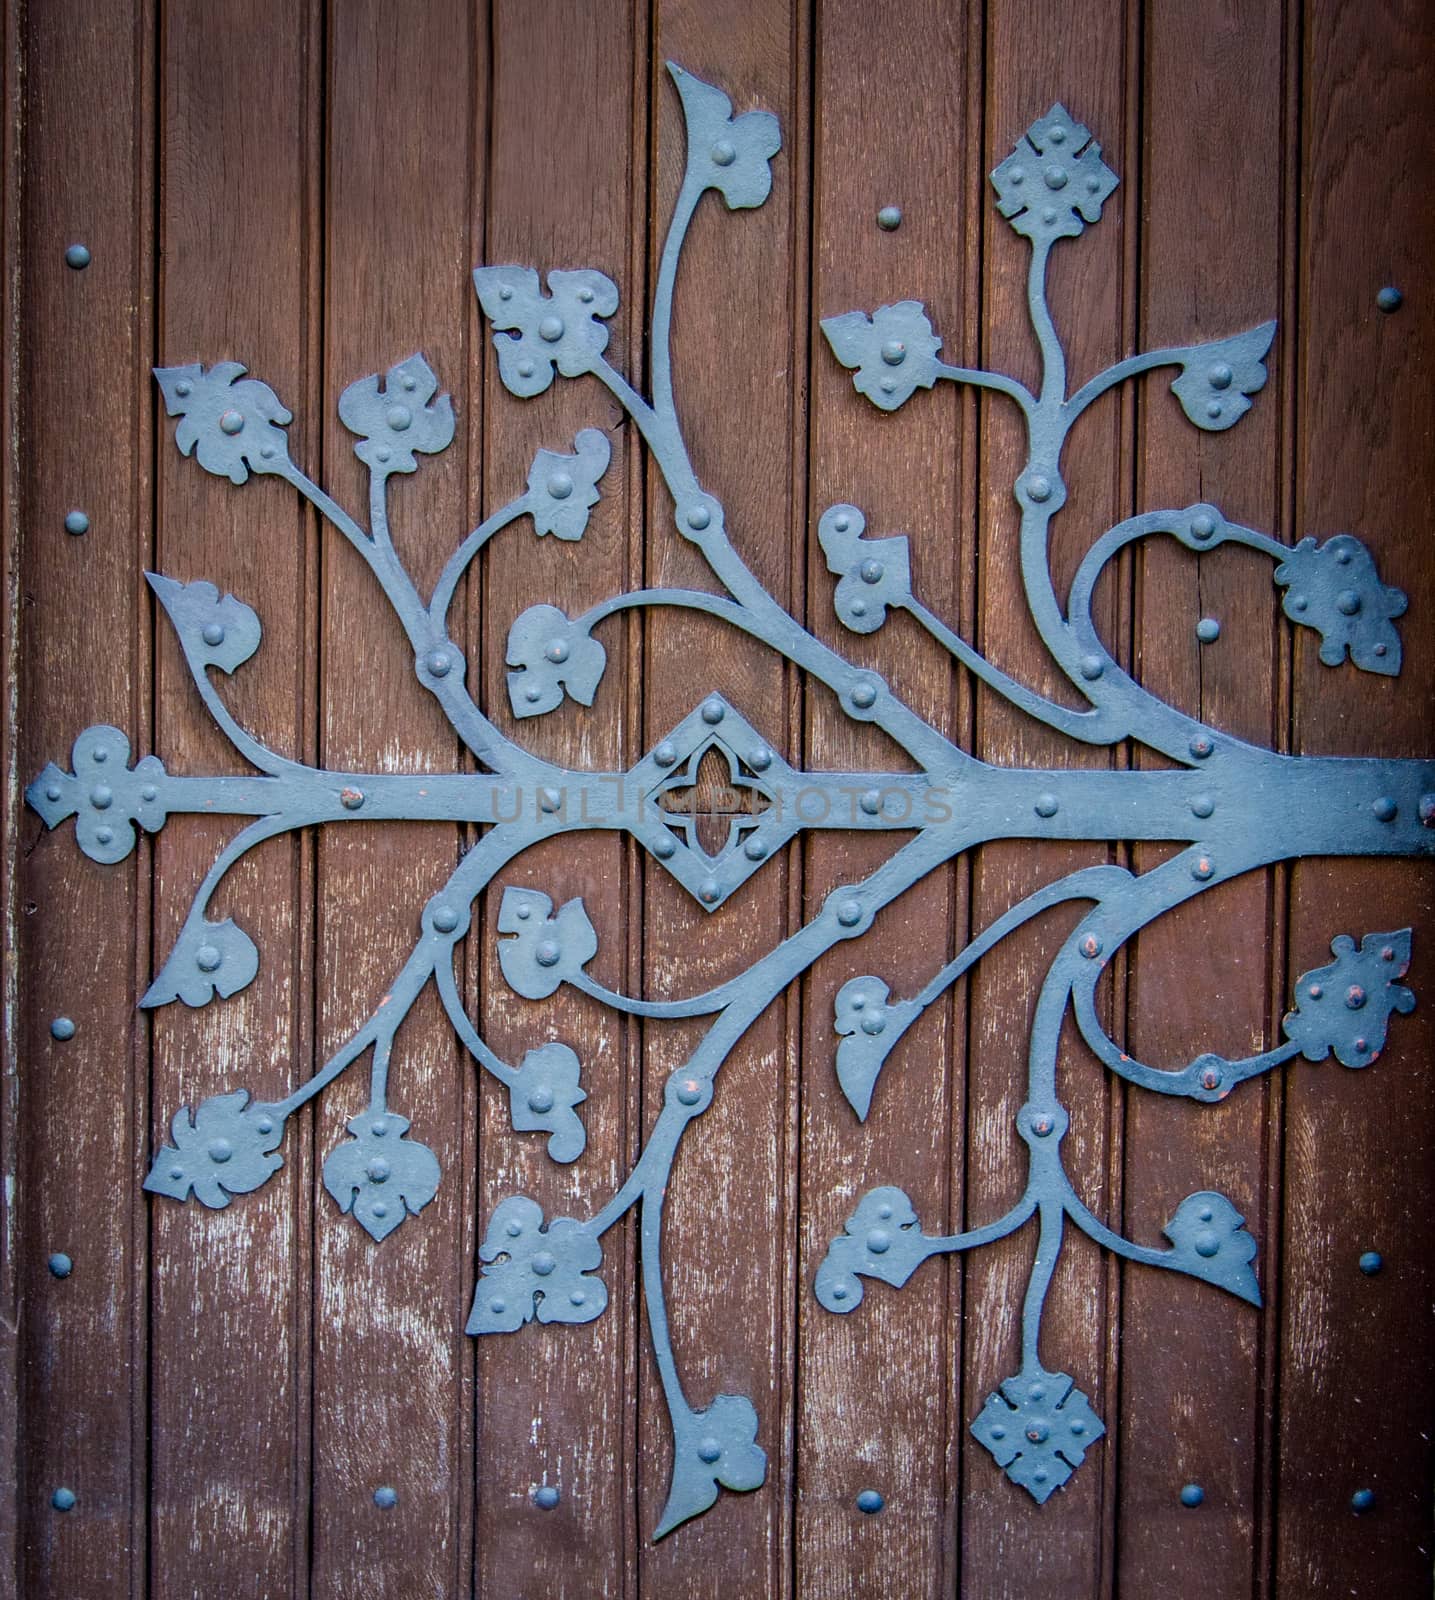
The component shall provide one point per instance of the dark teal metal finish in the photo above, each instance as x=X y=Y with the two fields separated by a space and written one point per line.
x=1230 y=806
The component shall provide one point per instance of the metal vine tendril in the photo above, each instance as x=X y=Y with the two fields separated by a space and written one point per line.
x=1234 y=806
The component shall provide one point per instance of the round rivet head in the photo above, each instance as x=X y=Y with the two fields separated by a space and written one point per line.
x=755 y=850
x=713 y=712
x=1425 y=810
x=550 y=799
x=864 y=696
x=438 y=663
x=1200 y=746
x=1390 y=298
x=888 y=386
x=208 y=957
x=724 y=153
x=550 y=330
x=77 y=257
x=1208 y=630
x=1206 y=1244
x=102 y=797
x=1214 y=409
x=1202 y=868
x=399 y=418
x=62 y=1028
x=213 y=633
x=525 y=368
x=76 y=522
x=149 y=792
x=104 y=835
x=1355 y=997
x=1048 y=216
x=445 y=919
x=541 y=1101
x=545 y=1496
x=871 y=571
x=351 y=799
x=1046 y=805
x=874 y=1023
x=560 y=486
x=1371 y=1262
x=709 y=1449
x=231 y=421
x=849 y=913
x=63 y=1499
x=544 y=1263
x=870 y=802
x=1210 y=1079
x=894 y=353
x=1384 y=808
x=60 y=1265
x=1092 y=667
x=665 y=754
x=52 y=791
x=1039 y=488
x=1347 y=602
x=689 y=1091
x=220 y=1150
x=1041 y=1126
x=378 y=1170
x=1362 y=1500
x=1203 y=525
x=386 y=1498
x=889 y=218
x=1202 y=805
x=1055 y=178
x=699 y=518
x=1091 y=946
x=665 y=848
x=547 y=954
x=708 y=892
x=1192 y=1494
x=870 y=1502
x=1220 y=376
x=760 y=759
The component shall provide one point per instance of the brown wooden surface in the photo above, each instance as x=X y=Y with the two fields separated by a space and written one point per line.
x=306 y=189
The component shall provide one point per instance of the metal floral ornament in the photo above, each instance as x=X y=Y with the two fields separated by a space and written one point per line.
x=1232 y=806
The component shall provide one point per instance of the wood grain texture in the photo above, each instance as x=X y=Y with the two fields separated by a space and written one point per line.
x=880 y=1401
x=83 y=442
x=1357 y=1389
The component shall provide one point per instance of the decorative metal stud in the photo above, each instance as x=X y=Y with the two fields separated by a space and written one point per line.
x=386 y=1498
x=77 y=257
x=1192 y=1495
x=870 y=1501
x=63 y=1499
x=546 y=1496
x=76 y=523
x=1390 y=298
x=1362 y=1500
x=1371 y=1261
x=60 y=1265
x=62 y=1028
x=1230 y=806
x=889 y=218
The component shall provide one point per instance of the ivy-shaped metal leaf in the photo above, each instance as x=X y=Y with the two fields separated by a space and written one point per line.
x=214 y=632
x=873 y=573
x=1335 y=589
x=224 y=1147
x=563 y=489
x=553 y=655
x=1211 y=1242
x=399 y=418
x=380 y=1176
x=712 y=1447
x=1038 y=1427
x=536 y=332
x=893 y=353
x=208 y=959
x=231 y=424
x=103 y=794
x=542 y=1097
x=727 y=153
x=883 y=1240
x=870 y=1027
x=550 y=947
x=1346 y=1006
x=1054 y=182
x=1216 y=378
x=535 y=1271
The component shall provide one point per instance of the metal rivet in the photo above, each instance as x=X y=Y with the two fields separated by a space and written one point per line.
x=77 y=256
x=208 y=957
x=879 y=1241
x=544 y=1263
x=104 y=835
x=699 y=517
x=894 y=353
x=379 y=1209
x=560 y=486
x=577 y=1298
x=713 y=712
x=1200 y=746
x=1210 y=1079
x=399 y=418
x=690 y=1091
x=1091 y=947
x=541 y=1101
x=63 y=1499
x=265 y=1124
x=1425 y=809
x=1092 y=667
x=220 y=1150
x=1354 y=997
x=1206 y=1244
x=1192 y=1494
x=1202 y=868
x=1203 y=525
x=888 y=386
x=445 y=919
x=1055 y=178
x=585 y=294
x=52 y=791
x=871 y=802
x=378 y=1170
x=1362 y=1500
x=213 y=633
x=1048 y=216
x=1041 y=1126
x=1384 y=808
x=1347 y=602
x=1208 y=630
x=547 y=954
x=438 y=663
x=849 y=913
x=665 y=847
x=550 y=330
x=839 y=1291
x=755 y=850
x=76 y=522
x=1046 y=805
x=724 y=153
x=545 y=1497
x=708 y=892
x=1213 y=409
x=665 y=754
x=231 y=421
x=550 y=799
x=859 y=608
x=62 y=1028
x=60 y=1265
x=525 y=368
x=351 y=799
x=760 y=759
x=386 y=1498
x=1057 y=136
x=378 y=1129
x=102 y=797
x=100 y=755
x=409 y=382
x=1342 y=558
x=871 y=571
x=1371 y=1262
x=709 y=1449
x=1202 y=805
x=870 y=1501
x=1219 y=377
x=864 y=696
x=1038 y=488
x=889 y=218
x=149 y=792
x=842 y=522
x=1315 y=991
x=874 y=1023
x=505 y=292
x=1390 y=298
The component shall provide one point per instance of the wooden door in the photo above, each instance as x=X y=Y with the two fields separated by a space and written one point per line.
x=255 y=1399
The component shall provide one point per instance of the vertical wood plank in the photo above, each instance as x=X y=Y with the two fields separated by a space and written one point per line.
x=83 y=444
x=1357 y=1388
x=555 y=1403
x=1211 y=267
x=229 y=1424
x=391 y=1362
x=729 y=1241
x=1035 y=56
x=879 y=1396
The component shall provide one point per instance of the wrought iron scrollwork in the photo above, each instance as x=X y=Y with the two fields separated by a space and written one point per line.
x=1231 y=805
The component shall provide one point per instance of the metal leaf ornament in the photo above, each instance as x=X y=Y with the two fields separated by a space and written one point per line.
x=380 y=1176
x=536 y=332
x=224 y=1147
x=893 y=353
x=233 y=425
x=535 y=1271
x=403 y=415
x=563 y=489
x=1346 y=1007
